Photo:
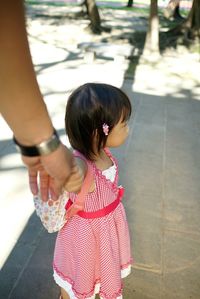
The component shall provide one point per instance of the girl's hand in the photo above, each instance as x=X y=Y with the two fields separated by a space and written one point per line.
x=75 y=181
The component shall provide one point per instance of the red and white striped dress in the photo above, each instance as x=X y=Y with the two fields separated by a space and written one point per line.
x=92 y=255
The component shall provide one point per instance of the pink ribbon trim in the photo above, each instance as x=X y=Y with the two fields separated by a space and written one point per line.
x=102 y=212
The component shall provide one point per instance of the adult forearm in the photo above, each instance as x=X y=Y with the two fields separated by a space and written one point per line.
x=21 y=102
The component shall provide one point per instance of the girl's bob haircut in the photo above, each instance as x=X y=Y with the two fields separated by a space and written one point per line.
x=88 y=108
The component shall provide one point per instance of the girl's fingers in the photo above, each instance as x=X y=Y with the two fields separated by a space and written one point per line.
x=75 y=181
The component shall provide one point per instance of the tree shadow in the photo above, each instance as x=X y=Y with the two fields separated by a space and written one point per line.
x=138 y=40
x=123 y=31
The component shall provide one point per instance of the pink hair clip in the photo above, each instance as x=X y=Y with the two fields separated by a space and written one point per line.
x=105 y=129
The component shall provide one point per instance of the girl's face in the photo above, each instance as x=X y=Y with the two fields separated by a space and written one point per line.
x=118 y=134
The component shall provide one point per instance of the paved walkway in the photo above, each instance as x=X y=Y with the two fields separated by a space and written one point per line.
x=159 y=166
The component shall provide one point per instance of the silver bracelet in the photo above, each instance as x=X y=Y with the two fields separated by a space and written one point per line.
x=44 y=148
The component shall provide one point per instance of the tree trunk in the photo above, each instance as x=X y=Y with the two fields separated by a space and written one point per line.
x=130 y=3
x=193 y=20
x=191 y=26
x=173 y=10
x=177 y=14
x=152 y=37
x=93 y=14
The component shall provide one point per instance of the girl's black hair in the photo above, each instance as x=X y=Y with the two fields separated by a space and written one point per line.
x=88 y=108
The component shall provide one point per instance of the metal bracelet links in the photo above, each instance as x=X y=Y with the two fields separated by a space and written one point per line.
x=44 y=148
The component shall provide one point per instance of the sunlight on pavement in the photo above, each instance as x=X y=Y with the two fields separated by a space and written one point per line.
x=15 y=210
x=11 y=161
x=5 y=132
x=168 y=77
x=16 y=205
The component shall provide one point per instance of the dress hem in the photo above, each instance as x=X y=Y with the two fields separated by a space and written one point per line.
x=67 y=285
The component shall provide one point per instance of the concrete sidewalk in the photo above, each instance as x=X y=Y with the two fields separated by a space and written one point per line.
x=159 y=167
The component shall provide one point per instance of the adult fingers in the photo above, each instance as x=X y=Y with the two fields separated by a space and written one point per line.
x=33 y=184
x=44 y=185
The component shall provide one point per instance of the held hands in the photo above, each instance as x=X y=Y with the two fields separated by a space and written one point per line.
x=55 y=172
x=76 y=179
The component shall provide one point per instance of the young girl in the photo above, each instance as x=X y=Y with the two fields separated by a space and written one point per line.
x=92 y=251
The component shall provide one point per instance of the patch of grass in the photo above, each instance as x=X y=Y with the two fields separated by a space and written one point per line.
x=144 y=11
x=103 y=5
x=50 y=3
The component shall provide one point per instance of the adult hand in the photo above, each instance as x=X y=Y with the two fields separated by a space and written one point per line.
x=53 y=171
